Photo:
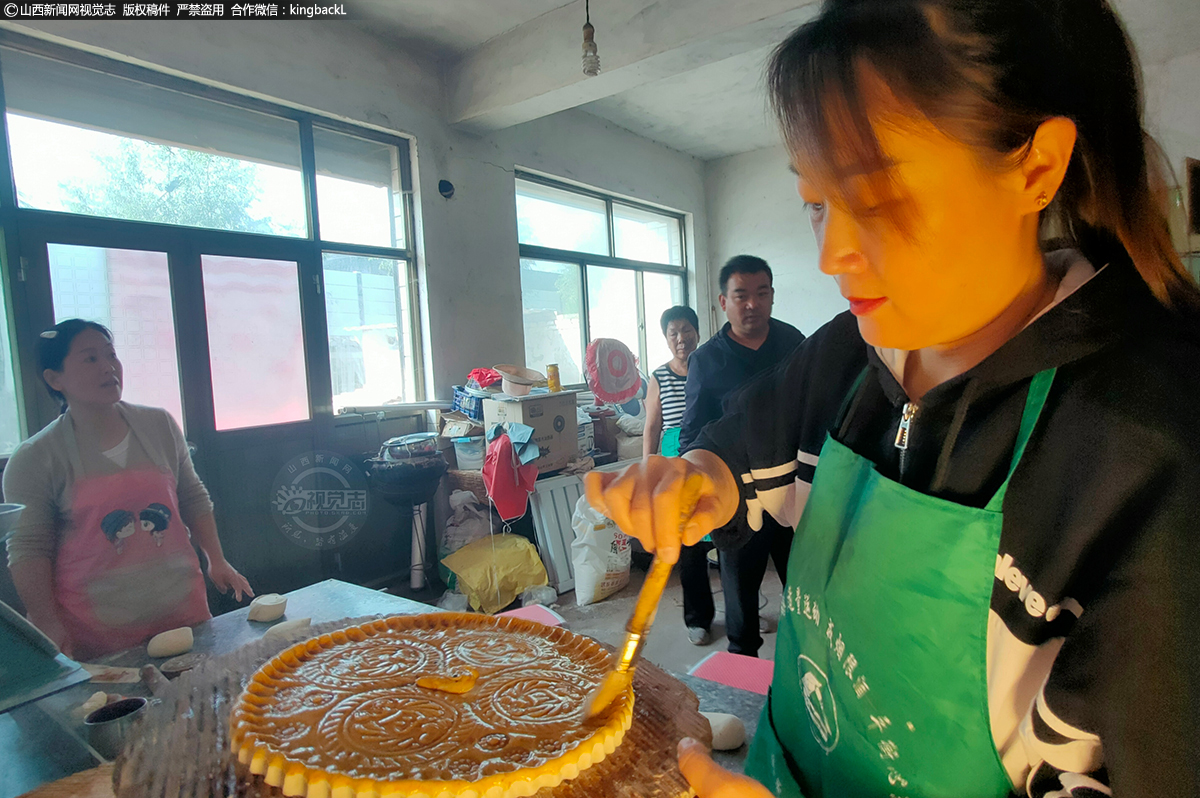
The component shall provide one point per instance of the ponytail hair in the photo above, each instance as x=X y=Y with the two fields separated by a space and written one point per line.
x=989 y=73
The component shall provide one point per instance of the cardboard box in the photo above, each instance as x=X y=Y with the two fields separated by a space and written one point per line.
x=458 y=425
x=552 y=416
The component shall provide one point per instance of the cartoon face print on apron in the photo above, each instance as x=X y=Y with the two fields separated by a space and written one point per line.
x=880 y=686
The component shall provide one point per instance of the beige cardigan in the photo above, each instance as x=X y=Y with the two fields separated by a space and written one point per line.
x=42 y=472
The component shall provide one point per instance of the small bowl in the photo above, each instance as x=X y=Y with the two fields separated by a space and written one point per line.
x=109 y=725
x=518 y=375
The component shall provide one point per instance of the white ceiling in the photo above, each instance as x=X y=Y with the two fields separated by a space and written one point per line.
x=720 y=109
x=449 y=28
x=711 y=111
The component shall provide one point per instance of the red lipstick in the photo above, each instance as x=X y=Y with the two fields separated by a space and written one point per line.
x=861 y=307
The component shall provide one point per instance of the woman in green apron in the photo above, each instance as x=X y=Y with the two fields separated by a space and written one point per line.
x=993 y=459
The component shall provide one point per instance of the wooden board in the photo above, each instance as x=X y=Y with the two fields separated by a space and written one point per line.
x=182 y=748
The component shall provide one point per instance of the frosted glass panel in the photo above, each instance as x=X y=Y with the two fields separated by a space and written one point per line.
x=255 y=341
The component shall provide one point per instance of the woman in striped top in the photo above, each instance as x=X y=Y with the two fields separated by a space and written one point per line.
x=664 y=415
x=664 y=400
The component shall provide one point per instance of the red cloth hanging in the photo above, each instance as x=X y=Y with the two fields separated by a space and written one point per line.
x=508 y=482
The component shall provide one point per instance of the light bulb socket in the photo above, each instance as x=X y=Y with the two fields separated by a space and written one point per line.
x=591 y=58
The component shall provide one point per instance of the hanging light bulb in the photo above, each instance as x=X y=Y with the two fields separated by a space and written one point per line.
x=591 y=58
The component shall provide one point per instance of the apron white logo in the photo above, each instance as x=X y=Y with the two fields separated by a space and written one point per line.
x=818 y=700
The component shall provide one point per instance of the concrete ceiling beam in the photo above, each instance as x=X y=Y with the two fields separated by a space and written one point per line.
x=535 y=69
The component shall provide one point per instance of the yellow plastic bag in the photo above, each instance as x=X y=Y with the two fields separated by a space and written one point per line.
x=493 y=571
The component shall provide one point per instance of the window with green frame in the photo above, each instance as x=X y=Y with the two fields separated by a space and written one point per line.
x=594 y=266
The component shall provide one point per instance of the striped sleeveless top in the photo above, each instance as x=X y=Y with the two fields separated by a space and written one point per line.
x=671 y=395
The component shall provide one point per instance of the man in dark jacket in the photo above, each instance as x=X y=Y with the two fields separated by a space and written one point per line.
x=750 y=343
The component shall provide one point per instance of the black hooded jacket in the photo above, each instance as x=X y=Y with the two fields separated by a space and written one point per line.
x=1094 y=685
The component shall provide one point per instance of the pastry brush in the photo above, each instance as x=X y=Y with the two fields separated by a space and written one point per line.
x=638 y=628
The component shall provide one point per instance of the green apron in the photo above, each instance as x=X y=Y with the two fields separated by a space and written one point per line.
x=880 y=685
x=670 y=442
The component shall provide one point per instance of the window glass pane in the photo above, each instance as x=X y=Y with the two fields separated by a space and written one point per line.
x=642 y=235
x=10 y=424
x=612 y=306
x=370 y=341
x=551 y=217
x=552 y=298
x=253 y=312
x=85 y=142
x=358 y=190
x=129 y=292
x=661 y=291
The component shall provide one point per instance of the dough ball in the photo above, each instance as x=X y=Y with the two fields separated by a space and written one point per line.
x=172 y=643
x=728 y=731
x=269 y=607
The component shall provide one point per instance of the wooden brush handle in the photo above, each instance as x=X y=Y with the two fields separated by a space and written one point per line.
x=648 y=598
x=660 y=570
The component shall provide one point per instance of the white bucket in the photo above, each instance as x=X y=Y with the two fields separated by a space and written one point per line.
x=470 y=453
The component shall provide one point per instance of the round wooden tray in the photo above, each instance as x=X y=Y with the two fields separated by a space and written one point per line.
x=182 y=750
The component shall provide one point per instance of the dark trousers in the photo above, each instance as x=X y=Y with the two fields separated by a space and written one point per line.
x=742 y=573
x=698 y=609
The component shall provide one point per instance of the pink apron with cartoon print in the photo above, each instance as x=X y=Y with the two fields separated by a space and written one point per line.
x=126 y=569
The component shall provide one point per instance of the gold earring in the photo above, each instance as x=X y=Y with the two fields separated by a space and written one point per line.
x=1043 y=200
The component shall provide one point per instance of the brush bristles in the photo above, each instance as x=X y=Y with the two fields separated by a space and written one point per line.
x=602 y=697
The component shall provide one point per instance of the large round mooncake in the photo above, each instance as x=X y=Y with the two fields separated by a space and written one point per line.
x=441 y=705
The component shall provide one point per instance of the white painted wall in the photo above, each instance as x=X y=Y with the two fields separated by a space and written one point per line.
x=753 y=209
x=1173 y=110
x=1173 y=107
x=467 y=245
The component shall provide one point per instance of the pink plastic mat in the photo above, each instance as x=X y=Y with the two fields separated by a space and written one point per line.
x=736 y=670
x=536 y=613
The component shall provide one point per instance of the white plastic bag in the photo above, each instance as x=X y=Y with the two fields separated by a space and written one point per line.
x=600 y=554
x=468 y=523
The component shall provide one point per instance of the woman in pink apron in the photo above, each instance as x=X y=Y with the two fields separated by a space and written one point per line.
x=103 y=557
x=992 y=460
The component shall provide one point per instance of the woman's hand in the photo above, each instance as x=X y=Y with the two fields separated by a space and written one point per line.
x=225 y=576
x=666 y=502
x=710 y=780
